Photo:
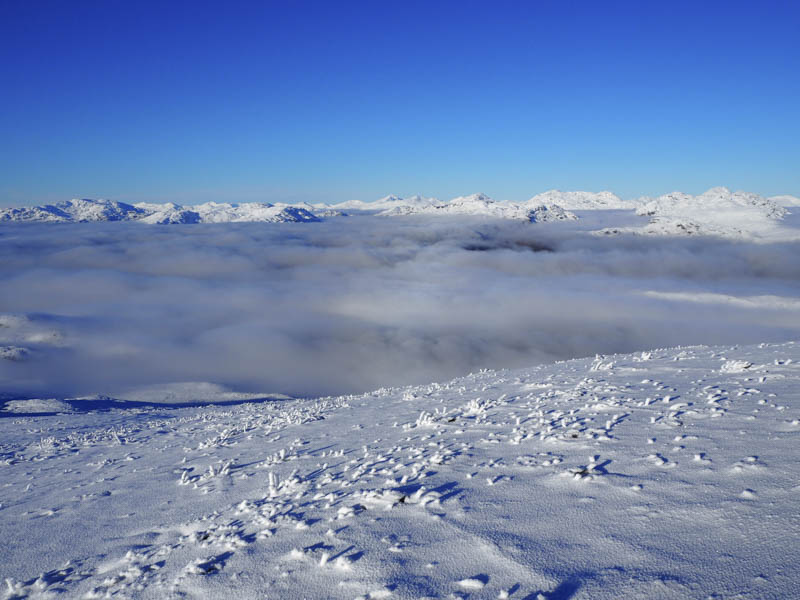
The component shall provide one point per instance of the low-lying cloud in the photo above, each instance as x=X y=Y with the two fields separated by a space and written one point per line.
x=355 y=304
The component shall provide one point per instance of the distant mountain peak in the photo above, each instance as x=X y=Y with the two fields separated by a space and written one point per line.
x=717 y=191
x=88 y=210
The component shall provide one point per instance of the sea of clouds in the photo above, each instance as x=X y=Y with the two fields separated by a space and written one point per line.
x=354 y=304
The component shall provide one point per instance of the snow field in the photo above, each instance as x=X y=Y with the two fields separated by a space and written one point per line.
x=669 y=474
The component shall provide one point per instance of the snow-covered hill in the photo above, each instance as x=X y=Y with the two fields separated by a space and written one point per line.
x=388 y=204
x=664 y=474
x=715 y=203
x=716 y=212
x=168 y=214
x=477 y=205
x=213 y=212
x=583 y=200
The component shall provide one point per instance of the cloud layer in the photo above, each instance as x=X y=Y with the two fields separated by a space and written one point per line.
x=354 y=304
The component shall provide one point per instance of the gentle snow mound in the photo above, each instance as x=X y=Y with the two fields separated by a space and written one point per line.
x=37 y=405
x=191 y=392
x=735 y=366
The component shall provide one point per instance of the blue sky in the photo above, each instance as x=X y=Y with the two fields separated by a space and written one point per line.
x=328 y=101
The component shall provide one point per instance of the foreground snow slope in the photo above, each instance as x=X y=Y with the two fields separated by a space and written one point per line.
x=669 y=474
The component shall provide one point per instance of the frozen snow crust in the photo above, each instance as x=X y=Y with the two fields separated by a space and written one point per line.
x=672 y=473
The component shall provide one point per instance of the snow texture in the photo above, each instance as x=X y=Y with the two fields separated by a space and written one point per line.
x=672 y=473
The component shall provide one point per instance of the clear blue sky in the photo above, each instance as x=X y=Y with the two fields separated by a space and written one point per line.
x=333 y=100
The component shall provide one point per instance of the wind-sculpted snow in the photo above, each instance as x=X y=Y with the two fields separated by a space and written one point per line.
x=353 y=304
x=671 y=473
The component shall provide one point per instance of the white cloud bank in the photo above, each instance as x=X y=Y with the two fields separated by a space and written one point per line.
x=355 y=304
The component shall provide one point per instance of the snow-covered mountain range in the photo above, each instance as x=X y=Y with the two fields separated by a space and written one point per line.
x=87 y=210
x=477 y=205
x=718 y=211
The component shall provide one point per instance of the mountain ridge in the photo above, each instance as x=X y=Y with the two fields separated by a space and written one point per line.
x=717 y=211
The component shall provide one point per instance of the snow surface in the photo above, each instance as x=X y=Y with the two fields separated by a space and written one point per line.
x=192 y=393
x=37 y=405
x=673 y=473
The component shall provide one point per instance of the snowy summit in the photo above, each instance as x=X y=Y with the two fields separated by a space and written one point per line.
x=717 y=211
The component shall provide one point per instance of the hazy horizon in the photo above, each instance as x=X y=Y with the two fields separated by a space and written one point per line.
x=201 y=200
